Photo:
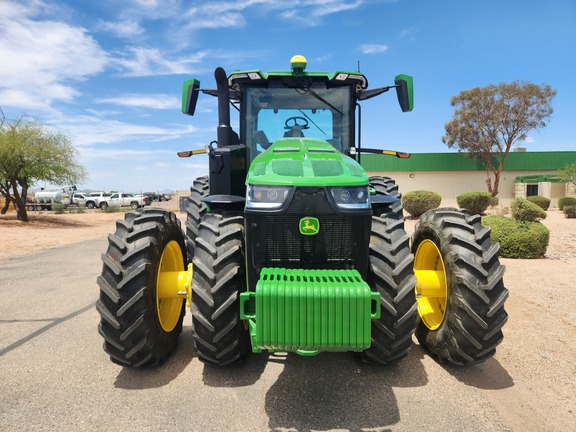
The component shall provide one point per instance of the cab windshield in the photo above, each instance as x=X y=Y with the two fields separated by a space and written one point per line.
x=314 y=112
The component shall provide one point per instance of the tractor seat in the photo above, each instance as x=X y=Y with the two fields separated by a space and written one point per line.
x=294 y=132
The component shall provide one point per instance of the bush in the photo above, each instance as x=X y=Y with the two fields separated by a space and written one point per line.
x=570 y=211
x=493 y=201
x=476 y=202
x=540 y=201
x=524 y=210
x=58 y=208
x=112 y=209
x=419 y=202
x=566 y=201
x=518 y=239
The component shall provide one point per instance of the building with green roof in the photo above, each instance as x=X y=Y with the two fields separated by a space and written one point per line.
x=450 y=174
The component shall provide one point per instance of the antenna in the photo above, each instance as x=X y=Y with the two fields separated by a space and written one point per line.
x=358 y=66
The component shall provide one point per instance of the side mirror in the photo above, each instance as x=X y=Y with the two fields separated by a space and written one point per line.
x=190 y=96
x=405 y=92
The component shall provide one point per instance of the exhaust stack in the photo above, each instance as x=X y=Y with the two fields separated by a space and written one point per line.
x=226 y=136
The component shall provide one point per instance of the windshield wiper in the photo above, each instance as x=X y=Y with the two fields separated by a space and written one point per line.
x=321 y=99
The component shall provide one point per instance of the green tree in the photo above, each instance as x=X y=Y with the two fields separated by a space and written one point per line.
x=568 y=173
x=31 y=152
x=488 y=121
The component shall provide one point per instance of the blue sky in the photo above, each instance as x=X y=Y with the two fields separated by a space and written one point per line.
x=109 y=74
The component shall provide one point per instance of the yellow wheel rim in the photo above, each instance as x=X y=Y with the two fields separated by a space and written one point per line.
x=431 y=286
x=168 y=300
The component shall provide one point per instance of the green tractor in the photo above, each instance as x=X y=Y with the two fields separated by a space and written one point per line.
x=290 y=246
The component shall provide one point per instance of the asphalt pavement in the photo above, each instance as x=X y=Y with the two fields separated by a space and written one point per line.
x=54 y=375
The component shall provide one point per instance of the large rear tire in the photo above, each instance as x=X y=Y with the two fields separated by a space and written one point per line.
x=390 y=273
x=387 y=186
x=196 y=208
x=219 y=278
x=460 y=289
x=141 y=318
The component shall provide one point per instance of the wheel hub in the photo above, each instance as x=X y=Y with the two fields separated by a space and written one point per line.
x=172 y=286
x=431 y=286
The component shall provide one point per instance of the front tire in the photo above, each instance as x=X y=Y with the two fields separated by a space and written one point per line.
x=390 y=273
x=219 y=278
x=196 y=208
x=140 y=318
x=103 y=206
x=460 y=289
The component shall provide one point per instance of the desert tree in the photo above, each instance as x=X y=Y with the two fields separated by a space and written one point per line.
x=31 y=152
x=488 y=121
x=568 y=173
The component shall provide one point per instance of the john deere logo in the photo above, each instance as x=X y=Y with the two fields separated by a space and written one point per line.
x=309 y=226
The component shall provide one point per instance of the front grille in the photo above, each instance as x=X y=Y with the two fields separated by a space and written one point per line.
x=277 y=240
x=274 y=239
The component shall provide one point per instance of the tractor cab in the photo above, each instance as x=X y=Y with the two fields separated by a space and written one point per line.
x=276 y=106
x=297 y=105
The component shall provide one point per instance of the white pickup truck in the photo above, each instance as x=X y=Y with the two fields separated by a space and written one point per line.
x=95 y=199
x=123 y=200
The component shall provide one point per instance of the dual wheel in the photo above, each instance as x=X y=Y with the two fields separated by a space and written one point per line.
x=447 y=287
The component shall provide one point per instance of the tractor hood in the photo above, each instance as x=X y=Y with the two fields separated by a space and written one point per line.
x=305 y=162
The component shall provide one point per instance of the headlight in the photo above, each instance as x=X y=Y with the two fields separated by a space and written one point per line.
x=357 y=197
x=266 y=197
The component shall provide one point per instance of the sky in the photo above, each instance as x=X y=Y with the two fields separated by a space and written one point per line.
x=109 y=74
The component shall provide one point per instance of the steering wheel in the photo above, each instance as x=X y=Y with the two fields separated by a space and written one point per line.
x=296 y=121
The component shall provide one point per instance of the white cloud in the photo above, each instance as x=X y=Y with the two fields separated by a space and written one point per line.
x=40 y=58
x=408 y=33
x=155 y=101
x=142 y=61
x=125 y=28
x=123 y=154
x=373 y=48
x=88 y=130
x=229 y=14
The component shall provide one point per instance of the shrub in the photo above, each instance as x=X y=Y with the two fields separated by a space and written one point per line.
x=476 y=202
x=566 y=201
x=58 y=208
x=570 y=211
x=112 y=209
x=518 y=239
x=524 y=210
x=493 y=201
x=419 y=202
x=540 y=201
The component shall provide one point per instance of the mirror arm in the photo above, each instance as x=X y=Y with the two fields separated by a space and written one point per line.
x=368 y=94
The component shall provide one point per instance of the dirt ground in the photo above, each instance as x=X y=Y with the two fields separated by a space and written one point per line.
x=47 y=230
x=533 y=374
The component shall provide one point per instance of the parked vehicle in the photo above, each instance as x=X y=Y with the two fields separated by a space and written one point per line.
x=95 y=199
x=79 y=198
x=44 y=199
x=147 y=200
x=157 y=197
x=123 y=200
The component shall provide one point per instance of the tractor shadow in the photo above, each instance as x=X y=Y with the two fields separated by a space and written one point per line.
x=240 y=375
x=489 y=375
x=338 y=391
x=146 y=378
